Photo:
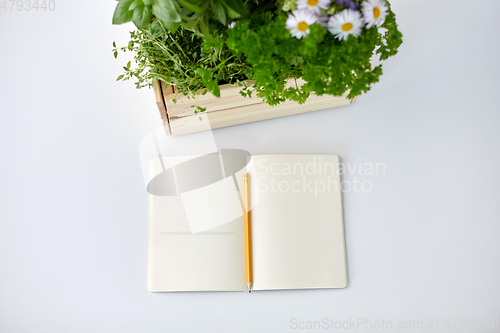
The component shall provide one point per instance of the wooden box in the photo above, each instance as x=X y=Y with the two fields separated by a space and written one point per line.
x=230 y=109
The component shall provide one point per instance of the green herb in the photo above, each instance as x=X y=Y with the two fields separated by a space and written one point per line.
x=198 y=58
x=182 y=59
x=191 y=14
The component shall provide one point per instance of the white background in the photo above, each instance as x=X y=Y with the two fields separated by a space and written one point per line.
x=424 y=243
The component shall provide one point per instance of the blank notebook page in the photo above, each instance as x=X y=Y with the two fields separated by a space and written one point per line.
x=297 y=225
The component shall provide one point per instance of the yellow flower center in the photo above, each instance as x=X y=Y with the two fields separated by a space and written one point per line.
x=376 y=12
x=347 y=27
x=312 y=3
x=302 y=26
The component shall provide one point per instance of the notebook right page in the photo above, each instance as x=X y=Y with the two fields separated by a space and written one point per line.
x=297 y=225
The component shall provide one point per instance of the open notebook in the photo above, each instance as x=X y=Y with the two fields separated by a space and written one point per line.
x=297 y=229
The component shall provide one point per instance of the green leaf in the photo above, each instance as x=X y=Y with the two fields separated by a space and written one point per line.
x=193 y=7
x=115 y=54
x=156 y=29
x=211 y=84
x=232 y=14
x=237 y=6
x=134 y=5
x=171 y=26
x=122 y=13
x=296 y=60
x=205 y=30
x=219 y=12
x=190 y=25
x=120 y=77
x=148 y=2
x=166 y=11
x=142 y=16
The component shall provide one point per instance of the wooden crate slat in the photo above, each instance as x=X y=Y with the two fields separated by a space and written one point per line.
x=230 y=97
x=252 y=113
x=231 y=108
x=160 y=102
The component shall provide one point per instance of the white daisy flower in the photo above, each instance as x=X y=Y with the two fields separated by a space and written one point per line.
x=347 y=22
x=374 y=12
x=299 y=21
x=313 y=5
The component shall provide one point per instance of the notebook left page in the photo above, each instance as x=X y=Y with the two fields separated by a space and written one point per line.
x=212 y=260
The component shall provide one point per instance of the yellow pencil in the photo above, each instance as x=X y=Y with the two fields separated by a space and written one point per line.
x=248 y=237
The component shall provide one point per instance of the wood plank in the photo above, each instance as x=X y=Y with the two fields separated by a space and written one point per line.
x=230 y=97
x=159 y=88
x=231 y=109
x=160 y=103
x=252 y=113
